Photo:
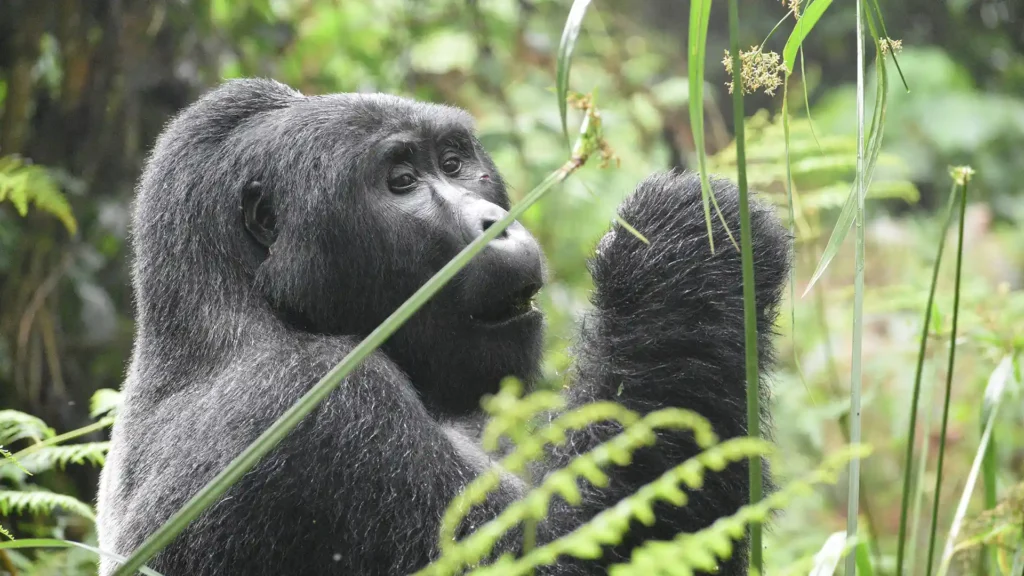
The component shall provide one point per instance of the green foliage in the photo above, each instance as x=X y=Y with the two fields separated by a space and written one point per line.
x=701 y=551
x=46 y=452
x=801 y=29
x=822 y=170
x=1001 y=528
x=512 y=415
x=51 y=457
x=15 y=426
x=41 y=502
x=22 y=183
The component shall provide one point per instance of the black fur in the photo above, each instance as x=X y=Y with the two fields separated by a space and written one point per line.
x=268 y=244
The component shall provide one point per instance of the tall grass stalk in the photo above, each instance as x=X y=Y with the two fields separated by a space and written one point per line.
x=749 y=304
x=853 y=493
x=988 y=471
x=920 y=477
x=936 y=497
x=993 y=400
x=279 y=430
x=908 y=459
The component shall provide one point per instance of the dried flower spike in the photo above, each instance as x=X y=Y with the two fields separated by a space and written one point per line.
x=793 y=6
x=759 y=70
x=961 y=174
x=889 y=45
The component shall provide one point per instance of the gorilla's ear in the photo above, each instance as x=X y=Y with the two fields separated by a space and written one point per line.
x=258 y=211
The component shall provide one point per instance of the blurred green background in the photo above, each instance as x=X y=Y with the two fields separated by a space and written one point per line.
x=86 y=86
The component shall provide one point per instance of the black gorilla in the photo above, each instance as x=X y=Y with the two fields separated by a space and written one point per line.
x=274 y=230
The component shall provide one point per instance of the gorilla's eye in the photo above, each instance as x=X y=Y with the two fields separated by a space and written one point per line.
x=451 y=165
x=401 y=182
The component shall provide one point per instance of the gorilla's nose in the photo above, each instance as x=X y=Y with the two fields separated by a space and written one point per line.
x=487 y=215
x=512 y=261
x=514 y=242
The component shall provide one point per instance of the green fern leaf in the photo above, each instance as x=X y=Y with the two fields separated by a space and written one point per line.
x=42 y=502
x=104 y=402
x=16 y=426
x=22 y=183
x=60 y=456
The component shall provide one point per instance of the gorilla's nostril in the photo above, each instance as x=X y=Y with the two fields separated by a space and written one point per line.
x=487 y=223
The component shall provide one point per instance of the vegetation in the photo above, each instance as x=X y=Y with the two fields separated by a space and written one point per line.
x=897 y=414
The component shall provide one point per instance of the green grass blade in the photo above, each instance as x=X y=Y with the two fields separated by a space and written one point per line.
x=853 y=492
x=846 y=216
x=863 y=559
x=988 y=481
x=919 y=479
x=803 y=27
x=1018 y=561
x=832 y=551
x=908 y=460
x=56 y=543
x=700 y=15
x=807 y=98
x=792 y=210
x=885 y=33
x=570 y=33
x=749 y=303
x=937 y=494
x=997 y=383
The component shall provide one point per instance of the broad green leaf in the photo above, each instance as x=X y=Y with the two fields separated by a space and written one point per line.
x=803 y=27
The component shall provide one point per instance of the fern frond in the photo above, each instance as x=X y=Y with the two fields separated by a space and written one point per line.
x=22 y=183
x=15 y=425
x=702 y=551
x=42 y=502
x=610 y=526
x=8 y=458
x=637 y=433
x=52 y=457
x=104 y=402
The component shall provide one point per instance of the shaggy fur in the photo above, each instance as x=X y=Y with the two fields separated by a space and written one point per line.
x=230 y=333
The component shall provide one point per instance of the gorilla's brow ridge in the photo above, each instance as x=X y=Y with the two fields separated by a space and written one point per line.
x=457 y=138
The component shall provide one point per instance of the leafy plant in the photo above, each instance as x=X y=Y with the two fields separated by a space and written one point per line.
x=45 y=451
x=23 y=183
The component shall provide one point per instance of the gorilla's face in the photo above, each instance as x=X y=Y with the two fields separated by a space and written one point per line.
x=369 y=197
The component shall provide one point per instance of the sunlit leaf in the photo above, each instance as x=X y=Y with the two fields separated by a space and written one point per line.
x=803 y=27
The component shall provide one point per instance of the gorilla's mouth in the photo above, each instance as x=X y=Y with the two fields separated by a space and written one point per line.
x=517 y=305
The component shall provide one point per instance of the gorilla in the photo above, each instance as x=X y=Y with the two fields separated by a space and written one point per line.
x=272 y=231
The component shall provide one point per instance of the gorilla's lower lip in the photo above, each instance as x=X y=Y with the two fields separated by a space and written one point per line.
x=522 y=307
x=508 y=316
x=514 y=306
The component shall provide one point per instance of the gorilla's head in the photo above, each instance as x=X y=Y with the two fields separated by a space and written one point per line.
x=329 y=212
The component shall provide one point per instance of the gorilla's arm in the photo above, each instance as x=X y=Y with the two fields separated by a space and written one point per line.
x=667 y=330
x=365 y=477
